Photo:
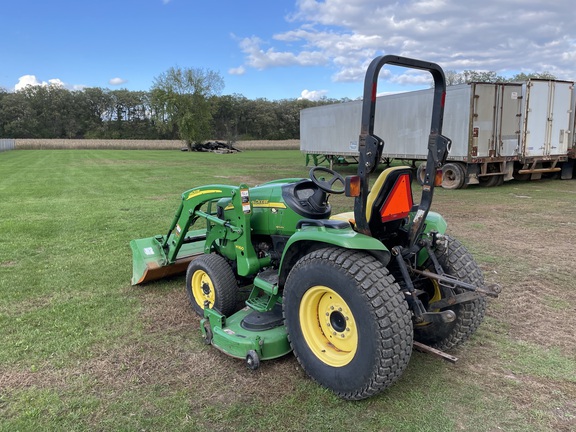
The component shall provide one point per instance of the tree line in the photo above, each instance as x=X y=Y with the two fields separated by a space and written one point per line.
x=97 y=113
x=183 y=103
x=468 y=76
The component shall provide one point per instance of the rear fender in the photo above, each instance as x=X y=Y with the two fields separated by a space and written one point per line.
x=311 y=238
x=435 y=222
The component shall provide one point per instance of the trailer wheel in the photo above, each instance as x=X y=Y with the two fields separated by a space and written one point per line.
x=490 y=181
x=347 y=322
x=453 y=176
x=421 y=173
x=456 y=261
x=521 y=177
x=210 y=279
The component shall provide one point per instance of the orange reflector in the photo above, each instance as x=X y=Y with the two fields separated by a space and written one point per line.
x=353 y=186
x=438 y=178
x=399 y=201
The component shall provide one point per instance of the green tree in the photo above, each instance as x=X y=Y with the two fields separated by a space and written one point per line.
x=539 y=75
x=97 y=111
x=288 y=112
x=51 y=106
x=468 y=76
x=181 y=102
x=18 y=117
x=228 y=116
x=482 y=76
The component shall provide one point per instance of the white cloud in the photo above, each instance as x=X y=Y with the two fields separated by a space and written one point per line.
x=27 y=80
x=413 y=77
x=31 y=80
x=257 y=58
x=240 y=70
x=117 y=81
x=313 y=95
x=510 y=35
x=56 y=82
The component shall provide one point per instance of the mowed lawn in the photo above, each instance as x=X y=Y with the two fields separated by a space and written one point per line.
x=83 y=350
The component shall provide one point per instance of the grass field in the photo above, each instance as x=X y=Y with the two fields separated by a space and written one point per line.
x=82 y=350
x=114 y=144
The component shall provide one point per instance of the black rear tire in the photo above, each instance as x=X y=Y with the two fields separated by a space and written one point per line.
x=210 y=278
x=347 y=321
x=458 y=262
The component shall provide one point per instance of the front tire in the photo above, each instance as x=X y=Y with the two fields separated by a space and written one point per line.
x=347 y=321
x=210 y=280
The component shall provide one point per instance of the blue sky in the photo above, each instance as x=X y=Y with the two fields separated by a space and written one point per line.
x=278 y=49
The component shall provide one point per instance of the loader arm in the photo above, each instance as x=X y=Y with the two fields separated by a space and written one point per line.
x=164 y=255
x=237 y=229
x=371 y=146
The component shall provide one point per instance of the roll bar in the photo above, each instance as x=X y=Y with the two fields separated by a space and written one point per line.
x=371 y=146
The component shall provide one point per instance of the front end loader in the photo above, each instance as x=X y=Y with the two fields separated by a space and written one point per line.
x=349 y=294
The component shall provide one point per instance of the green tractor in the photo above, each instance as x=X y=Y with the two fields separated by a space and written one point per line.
x=349 y=294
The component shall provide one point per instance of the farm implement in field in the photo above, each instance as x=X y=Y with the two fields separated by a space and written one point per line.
x=347 y=293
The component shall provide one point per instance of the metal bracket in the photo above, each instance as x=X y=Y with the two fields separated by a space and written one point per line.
x=442 y=317
x=428 y=349
x=452 y=282
x=465 y=297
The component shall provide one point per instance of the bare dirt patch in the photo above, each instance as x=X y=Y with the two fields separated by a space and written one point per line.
x=171 y=354
x=531 y=254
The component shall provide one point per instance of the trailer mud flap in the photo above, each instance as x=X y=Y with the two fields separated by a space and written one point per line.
x=149 y=260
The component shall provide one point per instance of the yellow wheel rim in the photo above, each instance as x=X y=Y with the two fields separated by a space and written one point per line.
x=328 y=326
x=437 y=293
x=203 y=289
x=436 y=297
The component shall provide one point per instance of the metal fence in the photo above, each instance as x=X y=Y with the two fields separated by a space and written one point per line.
x=7 y=144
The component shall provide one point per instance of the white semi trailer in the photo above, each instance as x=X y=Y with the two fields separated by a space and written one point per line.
x=499 y=131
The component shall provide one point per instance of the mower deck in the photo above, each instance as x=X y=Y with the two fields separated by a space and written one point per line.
x=247 y=334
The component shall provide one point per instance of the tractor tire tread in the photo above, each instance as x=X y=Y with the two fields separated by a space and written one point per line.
x=224 y=282
x=458 y=262
x=390 y=313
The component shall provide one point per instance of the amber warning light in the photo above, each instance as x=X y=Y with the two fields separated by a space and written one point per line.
x=352 y=186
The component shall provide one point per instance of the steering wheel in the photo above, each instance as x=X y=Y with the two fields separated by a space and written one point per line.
x=327 y=185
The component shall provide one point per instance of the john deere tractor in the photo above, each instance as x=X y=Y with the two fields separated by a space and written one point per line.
x=349 y=294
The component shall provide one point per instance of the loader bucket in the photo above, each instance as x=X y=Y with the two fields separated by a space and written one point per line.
x=149 y=260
